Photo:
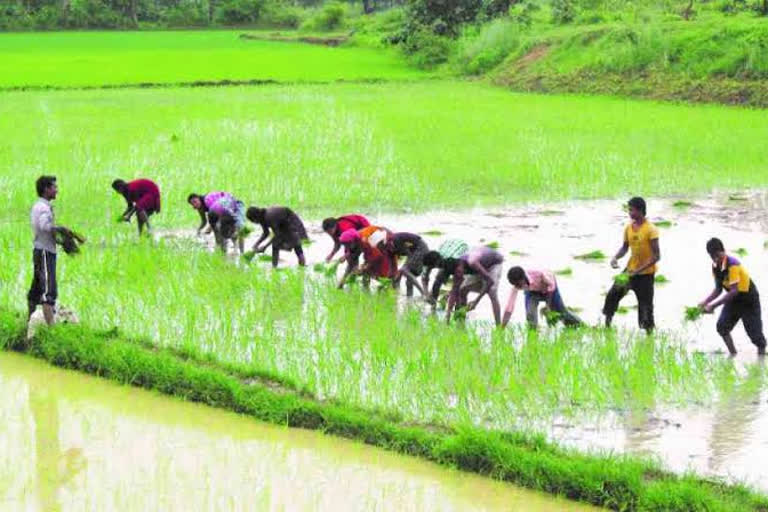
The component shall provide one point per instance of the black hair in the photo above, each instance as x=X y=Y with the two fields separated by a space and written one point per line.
x=119 y=185
x=329 y=223
x=255 y=214
x=639 y=203
x=42 y=184
x=715 y=245
x=192 y=196
x=517 y=274
x=432 y=259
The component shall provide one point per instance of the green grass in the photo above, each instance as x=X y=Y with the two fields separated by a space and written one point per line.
x=620 y=483
x=93 y=59
x=365 y=146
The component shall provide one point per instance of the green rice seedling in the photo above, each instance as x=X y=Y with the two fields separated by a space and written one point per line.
x=692 y=313
x=307 y=242
x=265 y=257
x=248 y=256
x=663 y=223
x=493 y=245
x=741 y=252
x=432 y=232
x=736 y=198
x=518 y=253
x=549 y=213
x=591 y=256
x=682 y=204
x=660 y=279
x=621 y=279
x=567 y=271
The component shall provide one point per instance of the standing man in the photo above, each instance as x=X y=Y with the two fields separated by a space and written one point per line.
x=224 y=214
x=478 y=271
x=44 y=287
x=288 y=231
x=539 y=286
x=334 y=227
x=740 y=302
x=641 y=239
x=142 y=197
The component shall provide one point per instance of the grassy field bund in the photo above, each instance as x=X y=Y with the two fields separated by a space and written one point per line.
x=285 y=346
x=114 y=59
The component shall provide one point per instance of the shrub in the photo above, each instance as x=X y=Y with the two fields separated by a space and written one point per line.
x=426 y=49
x=184 y=15
x=331 y=17
x=563 y=11
x=233 y=12
x=484 y=51
x=276 y=15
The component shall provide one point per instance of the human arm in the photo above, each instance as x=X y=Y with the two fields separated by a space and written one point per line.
x=655 y=257
x=510 y=308
x=203 y=221
x=264 y=235
x=619 y=254
x=336 y=247
x=485 y=284
x=352 y=263
x=733 y=291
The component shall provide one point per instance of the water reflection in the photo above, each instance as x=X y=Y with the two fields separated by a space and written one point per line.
x=72 y=442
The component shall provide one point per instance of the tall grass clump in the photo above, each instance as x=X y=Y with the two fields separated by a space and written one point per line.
x=480 y=50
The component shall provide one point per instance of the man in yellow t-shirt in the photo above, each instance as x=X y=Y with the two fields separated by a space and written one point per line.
x=641 y=240
x=740 y=302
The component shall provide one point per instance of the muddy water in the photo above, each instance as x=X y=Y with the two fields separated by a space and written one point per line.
x=74 y=442
x=726 y=440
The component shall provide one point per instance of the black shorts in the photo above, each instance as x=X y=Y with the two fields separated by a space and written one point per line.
x=44 y=289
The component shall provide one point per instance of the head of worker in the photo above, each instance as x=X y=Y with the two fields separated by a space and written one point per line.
x=715 y=249
x=330 y=225
x=351 y=240
x=120 y=186
x=636 y=207
x=46 y=187
x=378 y=239
x=518 y=278
x=256 y=214
x=196 y=201
x=432 y=259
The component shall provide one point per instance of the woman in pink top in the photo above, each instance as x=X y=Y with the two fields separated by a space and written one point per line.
x=539 y=286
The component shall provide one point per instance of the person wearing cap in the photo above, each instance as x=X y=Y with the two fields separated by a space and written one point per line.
x=452 y=248
x=741 y=300
x=478 y=271
x=335 y=226
x=142 y=197
x=641 y=239
x=287 y=229
x=539 y=285
x=363 y=242
x=413 y=248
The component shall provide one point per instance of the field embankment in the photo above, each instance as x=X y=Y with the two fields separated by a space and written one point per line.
x=715 y=59
x=614 y=482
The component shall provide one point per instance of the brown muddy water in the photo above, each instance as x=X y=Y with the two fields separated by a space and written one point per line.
x=727 y=440
x=74 y=442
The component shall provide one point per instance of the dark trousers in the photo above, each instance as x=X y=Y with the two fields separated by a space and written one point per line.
x=532 y=300
x=744 y=307
x=44 y=289
x=642 y=285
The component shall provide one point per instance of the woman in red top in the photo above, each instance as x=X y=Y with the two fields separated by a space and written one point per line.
x=336 y=226
x=143 y=199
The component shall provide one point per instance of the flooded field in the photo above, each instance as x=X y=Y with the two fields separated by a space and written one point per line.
x=726 y=439
x=74 y=442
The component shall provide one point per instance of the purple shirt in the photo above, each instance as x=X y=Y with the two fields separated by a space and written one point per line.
x=221 y=203
x=483 y=255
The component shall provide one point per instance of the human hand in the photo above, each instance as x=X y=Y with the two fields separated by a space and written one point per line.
x=708 y=309
x=614 y=263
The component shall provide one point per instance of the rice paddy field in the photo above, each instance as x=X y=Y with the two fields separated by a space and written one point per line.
x=423 y=150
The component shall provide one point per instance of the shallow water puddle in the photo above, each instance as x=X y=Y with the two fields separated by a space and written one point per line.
x=74 y=442
x=725 y=440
